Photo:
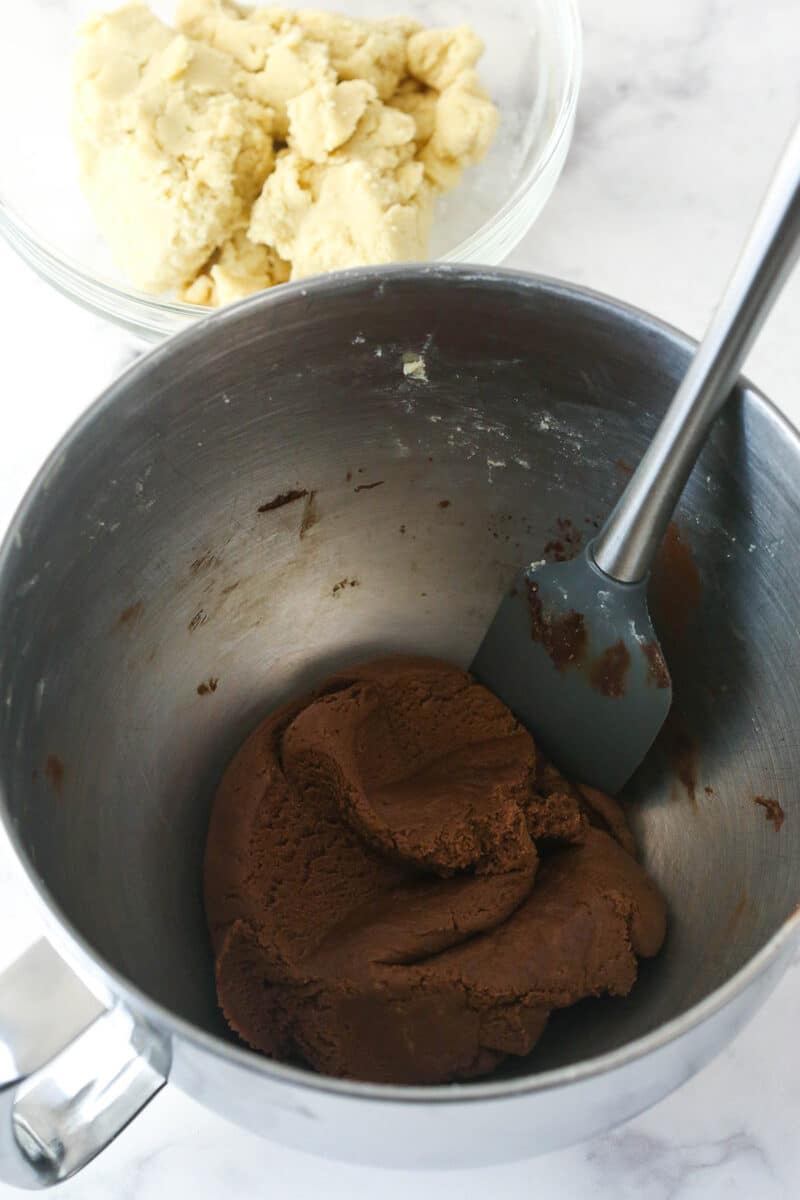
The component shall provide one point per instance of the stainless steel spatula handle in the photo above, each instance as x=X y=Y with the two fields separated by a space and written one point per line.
x=626 y=545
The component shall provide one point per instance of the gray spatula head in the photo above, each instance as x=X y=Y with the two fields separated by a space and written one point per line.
x=574 y=655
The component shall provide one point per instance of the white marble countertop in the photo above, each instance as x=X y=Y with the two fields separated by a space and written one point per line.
x=685 y=106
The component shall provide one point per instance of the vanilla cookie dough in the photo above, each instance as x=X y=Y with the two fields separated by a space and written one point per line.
x=247 y=147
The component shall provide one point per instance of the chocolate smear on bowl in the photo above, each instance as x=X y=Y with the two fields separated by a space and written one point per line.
x=773 y=813
x=342 y=584
x=282 y=499
x=202 y=563
x=54 y=773
x=199 y=618
x=675 y=587
x=130 y=615
x=310 y=515
x=681 y=750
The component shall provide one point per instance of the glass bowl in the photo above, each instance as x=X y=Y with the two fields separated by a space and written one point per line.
x=531 y=68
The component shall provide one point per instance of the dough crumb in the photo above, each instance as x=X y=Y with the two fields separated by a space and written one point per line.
x=414 y=366
x=247 y=147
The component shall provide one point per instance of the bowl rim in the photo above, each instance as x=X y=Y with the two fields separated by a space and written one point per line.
x=93 y=967
x=102 y=295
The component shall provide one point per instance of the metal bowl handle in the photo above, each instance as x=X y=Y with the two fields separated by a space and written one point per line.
x=73 y=1073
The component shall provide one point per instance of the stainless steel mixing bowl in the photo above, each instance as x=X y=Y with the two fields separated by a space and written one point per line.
x=150 y=613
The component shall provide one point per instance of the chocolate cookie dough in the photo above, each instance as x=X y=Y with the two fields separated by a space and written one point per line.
x=400 y=888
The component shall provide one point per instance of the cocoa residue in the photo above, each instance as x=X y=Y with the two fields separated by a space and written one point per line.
x=199 y=618
x=210 y=685
x=342 y=584
x=282 y=499
x=444 y=504
x=607 y=672
x=657 y=673
x=310 y=515
x=367 y=487
x=675 y=585
x=54 y=773
x=623 y=467
x=566 y=543
x=130 y=615
x=682 y=751
x=203 y=562
x=774 y=812
x=563 y=637
x=739 y=910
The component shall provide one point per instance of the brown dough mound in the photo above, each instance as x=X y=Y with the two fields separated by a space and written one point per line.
x=377 y=905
